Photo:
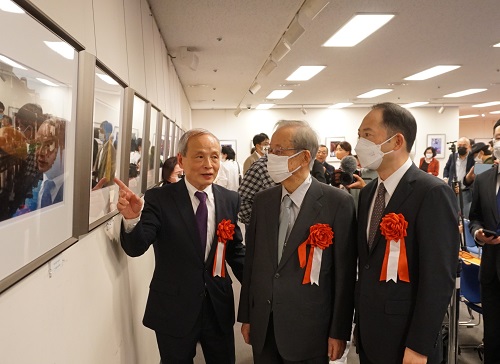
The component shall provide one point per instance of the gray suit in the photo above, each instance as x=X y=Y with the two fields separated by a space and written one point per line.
x=304 y=315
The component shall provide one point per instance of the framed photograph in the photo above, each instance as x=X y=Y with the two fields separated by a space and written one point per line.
x=437 y=141
x=331 y=143
x=229 y=143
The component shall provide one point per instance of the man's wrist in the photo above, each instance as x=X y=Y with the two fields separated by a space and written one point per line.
x=129 y=224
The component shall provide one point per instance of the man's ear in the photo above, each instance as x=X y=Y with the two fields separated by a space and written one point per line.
x=400 y=141
x=179 y=160
x=307 y=157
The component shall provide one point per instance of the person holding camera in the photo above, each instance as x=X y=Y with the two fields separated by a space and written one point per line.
x=485 y=214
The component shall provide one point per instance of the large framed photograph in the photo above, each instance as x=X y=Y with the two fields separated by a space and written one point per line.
x=229 y=143
x=331 y=143
x=438 y=142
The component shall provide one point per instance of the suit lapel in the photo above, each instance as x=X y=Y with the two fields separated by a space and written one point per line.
x=185 y=208
x=491 y=188
x=311 y=207
x=271 y=221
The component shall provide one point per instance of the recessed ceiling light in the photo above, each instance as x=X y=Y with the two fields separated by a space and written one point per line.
x=468 y=116
x=10 y=62
x=279 y=94
x=495 y=112
x=9 y=7
x=496 y=45
x=107 y=79
x=357 y=29
x=340 y=105
x=486 y=104
x=466 y=92
x=47 y=82
x=431 y=72
x=264 y=106
x=415 y=104
x=304 y=73
x=374 y=93
x=63 y=48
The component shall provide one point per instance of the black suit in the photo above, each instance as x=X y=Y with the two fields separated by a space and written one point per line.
x=484 y=214
x=318 y=171
x=304 y=315
x=181 y=277
x=391 y=316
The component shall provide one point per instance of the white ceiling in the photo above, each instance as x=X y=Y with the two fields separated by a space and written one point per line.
x=423 y=34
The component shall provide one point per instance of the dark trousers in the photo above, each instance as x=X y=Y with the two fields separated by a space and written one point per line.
x=490 y=301
x=271 y=355
x=218 y=347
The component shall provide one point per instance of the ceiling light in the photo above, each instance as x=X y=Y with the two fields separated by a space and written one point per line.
x=415 y=104
x=188 y=58
x=47 y=82
x=431 y=72
x=304 y=73
x=9 y=7
x=237 y=111
x=311 y=9
x=441 y=110
x=264 y=106
x=280 y=51
x=340 y=105
x=303 y=111
x=496 y=45
x=10 y=62
x=468 y=116
x=466 y=92
x=107 y=79
x=357 y=29
x=267 y=68
x=495 y=112
x=254 y=88
x=63 y=48
x=294 y=31
x=486 y=104
x=374 y=93
x=279 y=94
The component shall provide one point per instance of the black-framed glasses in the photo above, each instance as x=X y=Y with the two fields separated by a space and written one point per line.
x=279 y=151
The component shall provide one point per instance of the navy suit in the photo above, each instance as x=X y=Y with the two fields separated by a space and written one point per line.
x=181 y=277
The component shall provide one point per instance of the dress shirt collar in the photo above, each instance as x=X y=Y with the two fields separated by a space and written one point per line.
x=298 y=195
x=191 y=190
x=392 y=181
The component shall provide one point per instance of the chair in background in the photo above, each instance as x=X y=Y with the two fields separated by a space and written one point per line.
x=469 y=240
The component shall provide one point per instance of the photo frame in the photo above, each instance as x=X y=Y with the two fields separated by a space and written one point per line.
x=331 y=143
x=230 y=143
x=437 y=141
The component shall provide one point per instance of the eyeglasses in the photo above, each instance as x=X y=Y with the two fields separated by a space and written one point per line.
x=322 y=152
x=279 y=151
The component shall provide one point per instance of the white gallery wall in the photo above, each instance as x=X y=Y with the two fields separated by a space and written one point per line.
x=326 y=122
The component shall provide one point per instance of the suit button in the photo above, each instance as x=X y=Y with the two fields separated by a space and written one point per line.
x=268 y=302
x=277 y=275
x=367 y=266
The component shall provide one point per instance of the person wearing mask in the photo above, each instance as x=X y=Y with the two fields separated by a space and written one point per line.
x=261 y=144
x=171 y=172
x=297 y=294
x=485 y=215
x=457 y=168
x=232 y=167
x=482 y=155
x=407 y=271
x=192 y=227
x=429 y=164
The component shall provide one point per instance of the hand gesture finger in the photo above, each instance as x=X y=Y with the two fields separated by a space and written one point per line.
x=129 y=204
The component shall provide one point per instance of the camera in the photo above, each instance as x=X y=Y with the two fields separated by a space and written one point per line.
x=452 y=147
x=342 y=177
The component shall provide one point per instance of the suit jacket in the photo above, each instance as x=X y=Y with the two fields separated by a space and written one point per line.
x=181 y=277
x=249 y=161
x=304 y=315
x=391 y=316
x=433 y=167
x=484 y=214
x=318 y=171
x=449 y=170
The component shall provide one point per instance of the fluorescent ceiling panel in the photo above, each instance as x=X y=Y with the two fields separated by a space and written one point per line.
x=10 y=62
x=495 y=112
x=468 y=116
x=304 y=73
x=63 y=48
x=486 y=104
x=375 y=93
x=415 y=104
x=340 y=105
x=466 y=92
x=107 y=79
x=431 y=72
x=358 y=28
x=47 y=82
x=9 y=7
x=279 y=94
x=264 y=106
x=497 y=45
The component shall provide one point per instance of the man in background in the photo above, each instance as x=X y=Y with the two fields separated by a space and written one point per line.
x=321 y=157
x=261 y=143
x=105 y=165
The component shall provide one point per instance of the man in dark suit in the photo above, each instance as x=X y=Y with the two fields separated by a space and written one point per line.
x=408 y=245
x=296 y=300
x=485 y=214
x=189 y=224
x=321 y=158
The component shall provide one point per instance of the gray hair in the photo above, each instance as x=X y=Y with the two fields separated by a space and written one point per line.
x=305 y=138
x=183 y=142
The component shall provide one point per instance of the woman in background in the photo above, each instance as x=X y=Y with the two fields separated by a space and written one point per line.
x=171 y=172
x=429 y=163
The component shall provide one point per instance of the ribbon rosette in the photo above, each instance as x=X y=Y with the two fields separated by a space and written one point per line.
x=225 y=232
x=320 y=236
x=393 y=227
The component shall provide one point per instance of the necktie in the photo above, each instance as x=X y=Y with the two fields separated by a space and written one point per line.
x=378 y=209
x=201 y=218
x=285 y=215
x=48 y=186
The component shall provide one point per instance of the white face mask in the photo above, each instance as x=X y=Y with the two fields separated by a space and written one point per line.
x=370 y=154
x=277 y=166
x=428 y=155
x=496 y=149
